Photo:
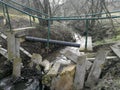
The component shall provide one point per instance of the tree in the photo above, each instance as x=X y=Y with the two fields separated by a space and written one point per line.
x=43 y=7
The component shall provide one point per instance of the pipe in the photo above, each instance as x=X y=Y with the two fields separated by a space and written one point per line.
x=35 y=39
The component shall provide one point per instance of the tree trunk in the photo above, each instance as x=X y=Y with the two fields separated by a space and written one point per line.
x=38 y=6
x=44 y=8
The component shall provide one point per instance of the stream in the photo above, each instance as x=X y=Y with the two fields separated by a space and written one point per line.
x=62 y=59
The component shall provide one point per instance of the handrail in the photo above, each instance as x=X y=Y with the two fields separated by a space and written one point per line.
x=84 y=18
x=34 y=10
x=83 y=15
x=22 y=11
x=65 y=17
x=60 y=18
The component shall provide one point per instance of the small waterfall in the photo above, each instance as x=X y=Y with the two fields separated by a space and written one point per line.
x=62 y=59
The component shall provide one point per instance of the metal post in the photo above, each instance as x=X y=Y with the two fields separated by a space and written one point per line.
x=87 y=24
x=30 y=13
x=48 y=34
x=8 y=18
x=30 y=21
x=3 y=7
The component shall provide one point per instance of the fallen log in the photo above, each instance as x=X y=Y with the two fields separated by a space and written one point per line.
x=51 y=74
x=54 y=70
x=96 y=69
x=74 y=57
x=88 y=65
x=80 y=74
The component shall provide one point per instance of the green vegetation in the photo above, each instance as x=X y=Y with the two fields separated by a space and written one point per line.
x=108 y=24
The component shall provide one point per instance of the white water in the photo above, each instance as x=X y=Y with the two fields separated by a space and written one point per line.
x=62 y=59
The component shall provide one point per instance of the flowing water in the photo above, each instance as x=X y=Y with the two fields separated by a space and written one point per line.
x=62 y=59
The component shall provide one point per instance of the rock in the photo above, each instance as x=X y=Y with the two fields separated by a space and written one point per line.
x=36 y=61
x=65 y=80
x=46 y=64
x=36 y=58
x=5 y=68
x=73 y=56
x=63 y=60
x=34 y=85
x=6 y=84
x=46 y=79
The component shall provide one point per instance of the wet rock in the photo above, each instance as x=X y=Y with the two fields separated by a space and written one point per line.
x=63 y=60
x=30 y=84
x=46 y=64
x=5 y=68
x=6 y=84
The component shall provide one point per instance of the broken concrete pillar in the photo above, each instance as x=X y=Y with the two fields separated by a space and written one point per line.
x=14 y=53
x=17 y=67
x=11 y=45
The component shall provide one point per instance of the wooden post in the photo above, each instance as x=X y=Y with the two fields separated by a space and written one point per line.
x=96 y=69
x=80 y=74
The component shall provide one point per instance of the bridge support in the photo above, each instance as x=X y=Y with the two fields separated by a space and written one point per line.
x=13 y=45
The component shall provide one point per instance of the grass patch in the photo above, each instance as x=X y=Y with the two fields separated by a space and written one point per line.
x=108 y=40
